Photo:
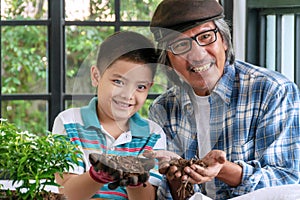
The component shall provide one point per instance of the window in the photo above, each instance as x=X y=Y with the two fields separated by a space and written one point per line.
x=47 y=48
x=273 y=37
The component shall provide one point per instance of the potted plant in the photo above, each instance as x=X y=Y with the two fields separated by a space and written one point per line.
x=29 y=161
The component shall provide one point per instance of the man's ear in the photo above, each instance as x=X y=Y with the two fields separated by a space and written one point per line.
x=95 y=76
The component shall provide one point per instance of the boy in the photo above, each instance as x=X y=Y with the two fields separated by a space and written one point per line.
x=110 y=123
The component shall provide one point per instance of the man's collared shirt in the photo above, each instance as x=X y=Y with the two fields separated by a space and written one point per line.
x=254 y=118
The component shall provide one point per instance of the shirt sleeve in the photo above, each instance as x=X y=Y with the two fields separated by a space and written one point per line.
x=158 y=114
x=276 y=143
x=155 y=177
x=163 y=191
x=161 y=143
x=58 y=128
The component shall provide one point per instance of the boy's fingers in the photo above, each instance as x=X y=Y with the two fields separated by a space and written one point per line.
x=149 y=154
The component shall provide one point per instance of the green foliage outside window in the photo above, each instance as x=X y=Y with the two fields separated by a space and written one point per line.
x=24 y=53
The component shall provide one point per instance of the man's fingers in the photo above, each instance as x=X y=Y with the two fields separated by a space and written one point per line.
x=221 y=159
x=164 y=167
x=173 y=173
x=197 y=174
x=196 y=168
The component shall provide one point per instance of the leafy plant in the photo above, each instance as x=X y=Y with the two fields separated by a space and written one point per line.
x=30 y=161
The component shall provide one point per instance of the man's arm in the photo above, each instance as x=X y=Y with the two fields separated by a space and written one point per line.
x=216 y=167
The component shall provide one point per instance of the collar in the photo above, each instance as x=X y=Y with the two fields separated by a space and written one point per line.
x=138 y=126
x=224 y=87
x=182 y=95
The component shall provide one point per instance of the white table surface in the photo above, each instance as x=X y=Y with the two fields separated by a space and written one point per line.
x=285 y=192
x=7 y=184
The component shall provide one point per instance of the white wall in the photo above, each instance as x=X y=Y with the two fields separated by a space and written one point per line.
x=239 y=28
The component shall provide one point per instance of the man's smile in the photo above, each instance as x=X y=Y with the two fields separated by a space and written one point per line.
x=201 y=68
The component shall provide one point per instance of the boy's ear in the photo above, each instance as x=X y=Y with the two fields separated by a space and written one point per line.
x=95 y=76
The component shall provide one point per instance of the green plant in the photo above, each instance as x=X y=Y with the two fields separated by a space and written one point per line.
x=31 y=161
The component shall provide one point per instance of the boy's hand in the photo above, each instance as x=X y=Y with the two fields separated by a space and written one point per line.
x=120 y=170
x=101 y=176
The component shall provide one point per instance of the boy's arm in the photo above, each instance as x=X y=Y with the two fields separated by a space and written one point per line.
x=138 y=193
x=77 y=187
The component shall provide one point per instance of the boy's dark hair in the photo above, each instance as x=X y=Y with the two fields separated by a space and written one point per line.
x=129 y=46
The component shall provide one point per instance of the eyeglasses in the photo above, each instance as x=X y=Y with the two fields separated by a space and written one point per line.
x=184 y=45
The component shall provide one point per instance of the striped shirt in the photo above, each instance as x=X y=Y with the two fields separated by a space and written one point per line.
x=254 y=118
x=82 y=126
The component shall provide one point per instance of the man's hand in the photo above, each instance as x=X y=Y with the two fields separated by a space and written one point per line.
x=173 y=173
x=214 y=162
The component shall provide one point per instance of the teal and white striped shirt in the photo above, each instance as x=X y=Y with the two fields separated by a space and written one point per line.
x=82 y=126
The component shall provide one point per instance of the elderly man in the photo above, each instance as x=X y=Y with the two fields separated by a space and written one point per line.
x=240 y=119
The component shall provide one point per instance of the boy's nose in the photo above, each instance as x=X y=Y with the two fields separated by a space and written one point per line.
x=127 y=92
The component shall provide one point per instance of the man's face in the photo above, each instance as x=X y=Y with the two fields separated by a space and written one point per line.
x=202 y=66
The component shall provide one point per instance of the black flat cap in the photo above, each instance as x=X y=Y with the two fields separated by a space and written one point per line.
x=180 y=15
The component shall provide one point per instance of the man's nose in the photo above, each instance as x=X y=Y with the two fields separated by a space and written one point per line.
x=197 y=52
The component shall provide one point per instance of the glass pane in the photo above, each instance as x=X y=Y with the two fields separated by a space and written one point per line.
x=288 y=42
x=24 y=59
x=160 y=82
x=28 y=115
x=145 y=108
x=81 y=48
x=20 y=10
x=270 y=50
x=77 y=103
x=138 y=10
x=90 y=10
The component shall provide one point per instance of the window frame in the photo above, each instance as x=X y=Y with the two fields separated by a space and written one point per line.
x=56 y=95
x=256 y=31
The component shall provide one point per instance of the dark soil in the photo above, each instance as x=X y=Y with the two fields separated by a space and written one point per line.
x=186 y=189
x=126 y=170
x=129 y=164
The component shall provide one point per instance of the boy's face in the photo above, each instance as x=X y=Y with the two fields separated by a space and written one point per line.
x=123 y=89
